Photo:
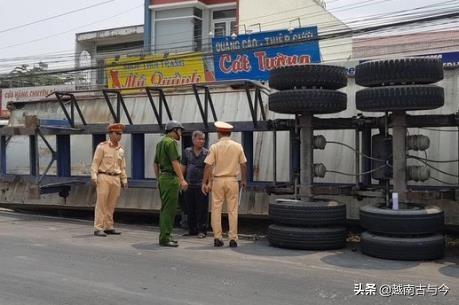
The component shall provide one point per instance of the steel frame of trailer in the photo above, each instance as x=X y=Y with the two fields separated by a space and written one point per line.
x=64 y=129
x=157 y=97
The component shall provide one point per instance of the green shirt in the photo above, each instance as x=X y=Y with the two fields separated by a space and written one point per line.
x=166 y=152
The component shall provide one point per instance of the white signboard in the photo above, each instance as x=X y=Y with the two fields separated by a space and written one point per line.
x=31 y=93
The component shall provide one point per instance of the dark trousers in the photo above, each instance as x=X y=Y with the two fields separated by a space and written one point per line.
x=197 y=209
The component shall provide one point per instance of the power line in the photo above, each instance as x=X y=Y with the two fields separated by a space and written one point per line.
x=286 y=11
x=115 y=52
x=331 y=35
x=178 y=33
x=57 y=34
x=381 y=15
x=279 y=21
x=367 y=3
x=70 y=30
x=168 y=34
x=323 y=47
x=55 y=16
x=340 y=8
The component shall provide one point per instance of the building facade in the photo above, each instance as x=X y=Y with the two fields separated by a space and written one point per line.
x=415 y=44
x=92 y=48
x=189 y=25
x=181 y=26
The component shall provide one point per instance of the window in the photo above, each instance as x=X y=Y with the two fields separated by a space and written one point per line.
x=226 y=14
x=197 y=34
x=85 y=61
x=132 y=46
x=224 y=22
x=100 y=73
x=197 y=12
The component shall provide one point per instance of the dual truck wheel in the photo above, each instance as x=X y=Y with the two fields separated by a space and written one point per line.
x=394 y=85
x=317 y=225
x=411 y=233
x=399 y=85
x=308 y=89
x=414 y=231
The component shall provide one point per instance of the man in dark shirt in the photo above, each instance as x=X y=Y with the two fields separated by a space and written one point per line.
x=196 y=202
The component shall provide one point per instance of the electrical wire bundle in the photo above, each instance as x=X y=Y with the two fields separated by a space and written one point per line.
x=442 y=15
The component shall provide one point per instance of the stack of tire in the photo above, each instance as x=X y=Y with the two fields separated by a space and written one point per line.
x=316 y=225
x=412 y=232
x=399 y=85
x=308 y=89
x=309 y=225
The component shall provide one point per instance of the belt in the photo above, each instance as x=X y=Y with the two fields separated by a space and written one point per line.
x=109 y=174
x=167 y=174
x=225 y=176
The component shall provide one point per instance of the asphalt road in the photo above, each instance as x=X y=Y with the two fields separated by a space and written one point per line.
x=52 y=261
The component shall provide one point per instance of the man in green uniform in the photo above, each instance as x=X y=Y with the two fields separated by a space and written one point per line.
x=170 y=180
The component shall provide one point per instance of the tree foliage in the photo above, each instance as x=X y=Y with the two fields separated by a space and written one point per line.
x=29 y=76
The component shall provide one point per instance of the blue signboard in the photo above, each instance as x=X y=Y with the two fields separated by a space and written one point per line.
x=450 y=59
x=252 y=56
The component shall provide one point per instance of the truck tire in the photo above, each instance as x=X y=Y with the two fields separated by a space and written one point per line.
x=399 y=248
x=399 y=71
x=400 y=98
x=410 y=219
x=307 y=101
x=302 y=213
x=308 y=76
x=325 y=238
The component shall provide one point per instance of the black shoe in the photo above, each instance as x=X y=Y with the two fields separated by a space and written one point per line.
x=173 y=241
x=233 y=244
x=169 y=244
x=112 y=232
x=190 y=234
x=100 y=233
x=218 y=243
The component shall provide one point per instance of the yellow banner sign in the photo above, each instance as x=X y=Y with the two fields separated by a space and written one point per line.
x=155 y=70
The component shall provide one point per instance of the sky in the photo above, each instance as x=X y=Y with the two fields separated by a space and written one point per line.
x=348 y=9
x=57 y=36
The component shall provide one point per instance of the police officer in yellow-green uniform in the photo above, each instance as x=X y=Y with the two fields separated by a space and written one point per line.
x=170 y=180
x=224 y=163
x=108 y=173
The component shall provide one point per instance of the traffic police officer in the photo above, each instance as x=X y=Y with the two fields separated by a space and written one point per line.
x=108 y=173
x=170 y=177
x=225 y=161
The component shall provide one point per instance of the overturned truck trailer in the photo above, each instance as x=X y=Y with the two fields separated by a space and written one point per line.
x=46 y=149
x=48 y=145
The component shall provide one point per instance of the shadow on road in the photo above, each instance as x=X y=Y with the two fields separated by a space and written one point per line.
x=450 y=270
x=83 y=236
x=451 y=261
x=262 y=248
x=356 y=260
x=147 y=246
